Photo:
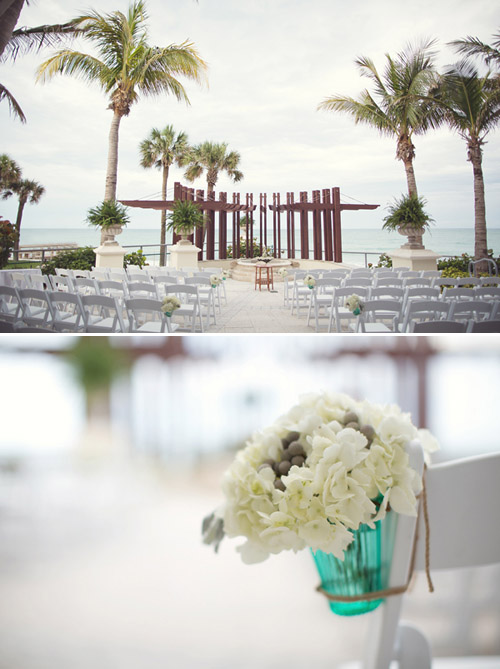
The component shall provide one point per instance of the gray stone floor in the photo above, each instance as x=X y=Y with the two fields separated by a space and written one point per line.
x=263 y=311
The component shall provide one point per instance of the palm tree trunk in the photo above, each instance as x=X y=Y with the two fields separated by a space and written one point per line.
x=163 y=228
x=112 y=169
x=410 y=177
x=480 y=241
x=20 y=209
x=9 y=14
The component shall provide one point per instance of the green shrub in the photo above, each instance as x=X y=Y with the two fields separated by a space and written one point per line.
x=8 y=237
x=384 y=261
x=83 y=259
x=135 y=258
x=243 y=249
x=108 y=213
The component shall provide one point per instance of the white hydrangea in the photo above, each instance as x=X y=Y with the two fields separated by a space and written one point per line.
x=345 y=477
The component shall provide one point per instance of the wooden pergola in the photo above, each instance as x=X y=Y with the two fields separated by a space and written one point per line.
x=324 y=207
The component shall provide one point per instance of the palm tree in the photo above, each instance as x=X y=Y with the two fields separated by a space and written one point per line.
x=10 y=172
x=162 y=149
x=24 y=40
x=27 y=191
x=471 y=106
x=128 y=67
x=396 y=108
x=213 y=158
x=472 y=46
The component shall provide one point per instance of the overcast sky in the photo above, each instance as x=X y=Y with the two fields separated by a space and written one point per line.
x=270 y=63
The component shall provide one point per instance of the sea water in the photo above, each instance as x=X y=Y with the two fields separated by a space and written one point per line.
x=355 y=242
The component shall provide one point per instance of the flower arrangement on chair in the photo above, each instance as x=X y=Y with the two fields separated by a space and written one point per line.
x=169 y=304
x=309 y=281
x=225 y=274
x=322 y=477
x=354 y=303
x=215 y=280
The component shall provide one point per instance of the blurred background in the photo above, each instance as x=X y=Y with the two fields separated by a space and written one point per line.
x=112 y=451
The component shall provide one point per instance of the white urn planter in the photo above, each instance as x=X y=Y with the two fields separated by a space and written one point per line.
x=414 y=236
x=110 y=254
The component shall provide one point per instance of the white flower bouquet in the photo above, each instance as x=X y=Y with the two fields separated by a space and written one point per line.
x=215 y=280
x=169 y=304
x=328 y=466
x=309 y=281
x=354 y=304
x=225 y=274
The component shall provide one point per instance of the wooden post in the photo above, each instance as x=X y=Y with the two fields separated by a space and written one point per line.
x=304 y=232
x=199 y=234
x=337 y=236
x=318 y=249
x=327 y=226
x=222 y=228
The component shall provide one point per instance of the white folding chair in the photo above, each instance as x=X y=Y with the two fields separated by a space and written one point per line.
x=99 y=273
x=362 y=272
x=85 y=286
x=142 y=289
x=206 y=295
x=376 y=314
x=411 y=281
x=297 y=283
x=61 y=283
x=190 y=309
x=468 y=281
x=459 y=494
x=146 y=316
x=416 y=311
x=103 y=314
x=321 y=298
x=40 y=282
x=113 y=289
x=339 y=312
x=387 y=293
x=163 y=283
x=218 y=288
x=444 y=326
x=37 y=308
x=387 y=281
x=118 y=274
x=457 y=293
x=472 y=310
x=11 y=309
x=493 y=325
x=358 y=282
x=487 y=293
x=67 y=311
x=80 y=274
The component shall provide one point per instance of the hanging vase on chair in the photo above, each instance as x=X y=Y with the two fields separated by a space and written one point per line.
x=365 y=567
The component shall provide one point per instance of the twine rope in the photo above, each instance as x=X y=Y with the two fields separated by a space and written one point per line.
x=400 y=589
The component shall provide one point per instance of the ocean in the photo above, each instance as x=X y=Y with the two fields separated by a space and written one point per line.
x=355 y=242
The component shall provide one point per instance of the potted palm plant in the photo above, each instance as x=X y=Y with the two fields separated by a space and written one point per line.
x=111 y=217
x=408 y=216
x=184 y=218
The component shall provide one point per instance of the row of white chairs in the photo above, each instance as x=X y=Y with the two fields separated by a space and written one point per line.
x=394 y=315
x=296 y=294
x=321 y=301
x=63 y=311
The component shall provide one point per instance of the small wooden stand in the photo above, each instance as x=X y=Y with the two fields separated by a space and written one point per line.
x=264 y=279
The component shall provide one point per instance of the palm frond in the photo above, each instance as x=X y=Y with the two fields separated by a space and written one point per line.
x=472 y=47
x=14 y=106
x=27 y=40
x=77 y=64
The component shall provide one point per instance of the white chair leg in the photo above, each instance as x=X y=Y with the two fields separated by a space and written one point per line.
x=413 y=650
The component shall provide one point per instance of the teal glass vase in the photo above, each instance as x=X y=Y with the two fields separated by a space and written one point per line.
x=365 y=567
